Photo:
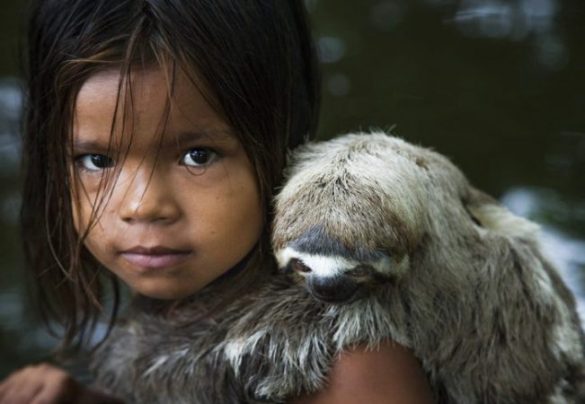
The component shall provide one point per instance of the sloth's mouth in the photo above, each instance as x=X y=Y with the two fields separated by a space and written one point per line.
x=337 y=301
x=337 y=289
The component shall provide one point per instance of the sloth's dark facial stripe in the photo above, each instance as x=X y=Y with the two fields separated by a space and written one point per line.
x=316 y=241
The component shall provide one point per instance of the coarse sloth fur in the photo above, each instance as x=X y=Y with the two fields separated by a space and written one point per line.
x=377 y=239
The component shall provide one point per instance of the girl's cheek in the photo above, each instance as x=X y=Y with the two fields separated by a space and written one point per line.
x=75 y=206
x=82 y=205
x=88 y=184
x=79 y=216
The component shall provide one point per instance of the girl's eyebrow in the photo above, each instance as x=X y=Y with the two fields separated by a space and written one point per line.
x=222 y=136
x=90 y=145
x=213 y=135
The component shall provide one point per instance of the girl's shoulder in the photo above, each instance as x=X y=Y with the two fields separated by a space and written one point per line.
x=388 y=374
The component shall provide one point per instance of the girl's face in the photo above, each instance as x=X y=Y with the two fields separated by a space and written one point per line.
x=180 y=208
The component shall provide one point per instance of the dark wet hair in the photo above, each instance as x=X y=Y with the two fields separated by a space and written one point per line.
x=254 y=58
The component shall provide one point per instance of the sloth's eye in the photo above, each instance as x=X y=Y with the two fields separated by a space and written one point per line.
x=361 y=271
x=298 y=266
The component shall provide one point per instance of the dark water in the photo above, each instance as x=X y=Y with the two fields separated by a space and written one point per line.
x=498 y=86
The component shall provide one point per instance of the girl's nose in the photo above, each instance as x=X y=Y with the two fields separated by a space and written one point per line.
x=147 y=197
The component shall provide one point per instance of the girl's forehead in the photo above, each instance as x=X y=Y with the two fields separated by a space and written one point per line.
x=146 y=101
x=142 y=89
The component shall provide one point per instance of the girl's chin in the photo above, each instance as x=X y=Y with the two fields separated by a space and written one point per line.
x=164 y=293
x=165 y=287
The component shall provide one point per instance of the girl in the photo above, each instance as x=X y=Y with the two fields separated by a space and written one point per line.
x=156 y=134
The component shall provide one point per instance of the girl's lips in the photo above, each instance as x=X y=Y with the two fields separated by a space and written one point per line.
x=155 y=258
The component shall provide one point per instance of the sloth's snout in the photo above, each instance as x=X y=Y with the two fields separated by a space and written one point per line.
x=331 y=272
x=335 y=289
x=338 y=287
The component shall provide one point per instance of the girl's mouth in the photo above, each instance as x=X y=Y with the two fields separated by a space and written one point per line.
x=157 y=257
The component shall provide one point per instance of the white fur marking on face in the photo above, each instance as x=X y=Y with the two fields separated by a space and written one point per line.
x=324 y=266
x=327 y=266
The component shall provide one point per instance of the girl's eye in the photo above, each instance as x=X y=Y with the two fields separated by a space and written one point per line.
x=199 y=157
x=94 y=162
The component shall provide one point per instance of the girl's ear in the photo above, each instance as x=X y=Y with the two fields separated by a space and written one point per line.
x=489 y=214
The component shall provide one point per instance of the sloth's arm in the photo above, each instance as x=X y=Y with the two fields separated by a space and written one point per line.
x=390 y=375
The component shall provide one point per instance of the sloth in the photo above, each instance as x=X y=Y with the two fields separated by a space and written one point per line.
x=375 y=239
x=462 y=280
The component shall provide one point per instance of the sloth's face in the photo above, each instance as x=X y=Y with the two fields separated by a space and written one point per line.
x=350 y=214
x=333 y=273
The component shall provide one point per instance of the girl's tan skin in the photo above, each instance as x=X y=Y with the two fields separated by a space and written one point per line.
x=40 y=384
x=184 y=209
x=390 y=375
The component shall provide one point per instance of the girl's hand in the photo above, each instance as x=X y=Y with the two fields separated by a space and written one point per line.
x=47 y=384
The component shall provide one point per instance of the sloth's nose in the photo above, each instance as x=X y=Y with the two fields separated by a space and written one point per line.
x=333 y=289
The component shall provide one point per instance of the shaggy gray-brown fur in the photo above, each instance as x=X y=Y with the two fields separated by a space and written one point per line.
x=384 y=240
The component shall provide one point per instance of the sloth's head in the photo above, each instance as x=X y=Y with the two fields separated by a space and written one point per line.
x=354 y=209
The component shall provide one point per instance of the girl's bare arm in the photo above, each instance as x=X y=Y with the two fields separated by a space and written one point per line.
x=390 y=375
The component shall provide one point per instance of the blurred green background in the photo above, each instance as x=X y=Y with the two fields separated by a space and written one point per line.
x=498 y=86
